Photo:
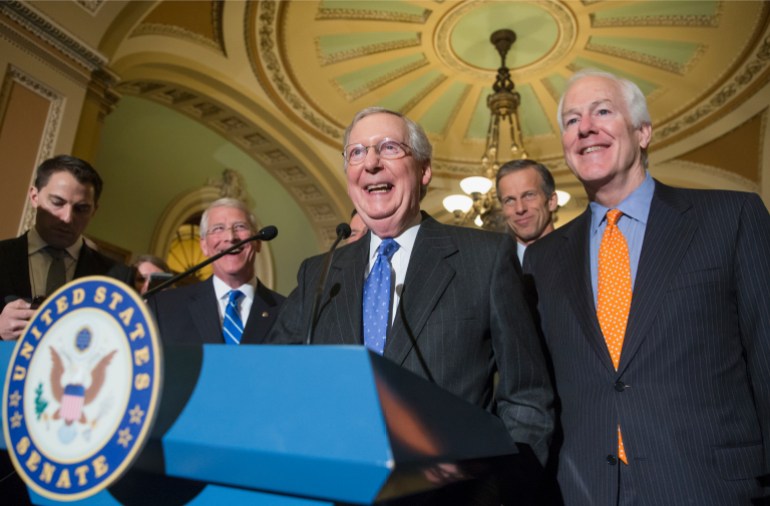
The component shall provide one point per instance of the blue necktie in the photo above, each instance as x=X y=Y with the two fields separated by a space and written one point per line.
x=232 y=326
x=377 y=298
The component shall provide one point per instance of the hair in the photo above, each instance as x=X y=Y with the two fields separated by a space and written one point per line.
x=547 y=183
x=226 y=202
x=635 y=101
x=152 y=259
x=81 y=170
x=422 y=150
x=417 y=140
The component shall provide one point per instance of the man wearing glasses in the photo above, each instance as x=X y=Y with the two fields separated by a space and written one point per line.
x=232 y=306
x=444 y=302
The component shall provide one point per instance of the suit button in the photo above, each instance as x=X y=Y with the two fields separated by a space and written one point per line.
x=611 y=460
x=620 y=386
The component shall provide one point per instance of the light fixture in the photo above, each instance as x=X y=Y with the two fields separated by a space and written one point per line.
x=503 y=103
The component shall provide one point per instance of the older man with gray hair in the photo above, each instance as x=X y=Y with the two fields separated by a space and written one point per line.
x=232 y=306
x=655 y=310
x=443 y=302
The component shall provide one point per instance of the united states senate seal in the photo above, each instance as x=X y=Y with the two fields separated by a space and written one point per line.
x=82 y=389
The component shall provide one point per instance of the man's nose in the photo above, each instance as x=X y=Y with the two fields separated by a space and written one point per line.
x=372 y=159
x=65 y=214
x=586 y=125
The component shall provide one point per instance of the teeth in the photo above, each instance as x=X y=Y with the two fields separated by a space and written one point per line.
x=378 y=187
x=592 y=149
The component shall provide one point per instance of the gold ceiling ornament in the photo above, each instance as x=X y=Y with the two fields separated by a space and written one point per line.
x=480 y=205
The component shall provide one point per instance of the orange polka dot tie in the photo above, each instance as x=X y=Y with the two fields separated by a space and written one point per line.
x=614 y=294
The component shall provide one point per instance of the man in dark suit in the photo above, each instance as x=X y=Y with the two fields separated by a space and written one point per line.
x=527 y=194
x=198 y=313
x=65 y=196
x=676 y=410
x=452 y=310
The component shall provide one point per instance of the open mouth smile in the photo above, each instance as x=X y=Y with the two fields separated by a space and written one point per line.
x=378 y=188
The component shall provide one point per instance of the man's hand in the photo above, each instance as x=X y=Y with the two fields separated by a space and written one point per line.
x=14 y=318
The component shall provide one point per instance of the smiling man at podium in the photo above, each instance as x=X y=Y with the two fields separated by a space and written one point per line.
x=444 y=302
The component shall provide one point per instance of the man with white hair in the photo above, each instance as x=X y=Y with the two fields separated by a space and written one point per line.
x=232 y=306
x=655 y=310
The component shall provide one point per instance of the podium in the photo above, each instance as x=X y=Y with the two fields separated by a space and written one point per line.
x=301 y=425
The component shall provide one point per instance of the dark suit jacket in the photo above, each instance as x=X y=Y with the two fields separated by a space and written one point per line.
x=189 y=315
x=692 y=392
x=461 y=317
x=14 y=263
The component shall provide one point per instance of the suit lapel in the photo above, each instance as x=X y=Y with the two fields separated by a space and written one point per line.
x=261 y=316
x=19 y=275
x=667 y=237
x=426 y=280
x=577 y=284
x=204 y=313
x=343 y=295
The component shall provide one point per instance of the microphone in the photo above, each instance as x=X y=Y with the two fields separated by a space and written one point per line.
x=266 y=234
x=343 y=232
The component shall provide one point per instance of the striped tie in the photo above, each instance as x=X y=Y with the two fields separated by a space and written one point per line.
x=232 y=326
x=614 y=294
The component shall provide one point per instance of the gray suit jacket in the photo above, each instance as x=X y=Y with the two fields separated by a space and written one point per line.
x=692 y=392
x=461 y=318
x=189 y=315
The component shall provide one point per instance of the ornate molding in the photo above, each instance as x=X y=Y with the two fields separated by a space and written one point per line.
x=382 y=80
x=646 y=59
x=754 y=68
x=269 y=69
x=178 y=32
x=49 y=33
x=14 y=75
x=92 y=6
x=365 y=50
x=325 y=13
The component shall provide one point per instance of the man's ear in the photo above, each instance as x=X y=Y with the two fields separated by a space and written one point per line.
x=553 y=202
x=645 y=135
x=34 y=196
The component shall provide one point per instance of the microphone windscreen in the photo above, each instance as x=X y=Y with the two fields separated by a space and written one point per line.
x=343 y=230
x=268 y=233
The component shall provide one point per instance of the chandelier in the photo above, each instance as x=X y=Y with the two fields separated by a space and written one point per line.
x=480 y=204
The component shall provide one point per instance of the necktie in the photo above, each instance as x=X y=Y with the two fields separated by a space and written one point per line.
x=232 y=326
x=614 y=294
x=56 y=271
x=377 y=298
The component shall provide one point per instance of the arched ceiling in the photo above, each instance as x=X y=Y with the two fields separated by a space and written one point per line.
x=282 y=79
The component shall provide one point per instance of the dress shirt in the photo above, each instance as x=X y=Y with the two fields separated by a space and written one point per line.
x=633 y=224
x=40 y=261
x=222 y=291
x=399 y=262
x=520 y=249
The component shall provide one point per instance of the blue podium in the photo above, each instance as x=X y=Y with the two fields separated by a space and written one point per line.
x=300 y=425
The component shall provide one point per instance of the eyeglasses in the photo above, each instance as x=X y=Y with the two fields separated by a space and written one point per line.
x=239 y=228
x=387 y=149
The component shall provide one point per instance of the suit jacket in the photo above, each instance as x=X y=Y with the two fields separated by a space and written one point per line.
x=692 y=391
x=14 y=262
x=189 y=314
x=461 y=317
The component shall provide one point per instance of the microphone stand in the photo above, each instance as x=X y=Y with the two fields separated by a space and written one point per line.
x=266 y=234
x=343 y=232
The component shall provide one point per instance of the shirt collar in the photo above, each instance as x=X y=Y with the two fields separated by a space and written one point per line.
x=405 y=241
x=35 y=243
x=222 y=289
x=636 y=206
